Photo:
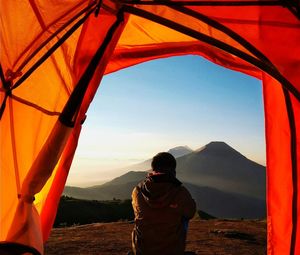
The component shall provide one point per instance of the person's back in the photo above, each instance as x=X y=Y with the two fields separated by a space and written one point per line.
x=162 y=208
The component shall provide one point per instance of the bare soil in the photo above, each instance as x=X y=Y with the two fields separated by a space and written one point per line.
x=205 y=237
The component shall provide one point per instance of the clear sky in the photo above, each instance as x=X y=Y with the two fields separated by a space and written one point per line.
x=165 y=103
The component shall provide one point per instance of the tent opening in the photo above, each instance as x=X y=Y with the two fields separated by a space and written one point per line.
x=52 y=64
x=162 y=104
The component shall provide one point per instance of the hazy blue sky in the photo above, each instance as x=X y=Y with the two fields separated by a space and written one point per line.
x=161 y=104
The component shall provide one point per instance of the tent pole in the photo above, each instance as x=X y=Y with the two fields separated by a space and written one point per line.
x=271 y=70
x=70 y=111
x=7 y=90
x=53 y=35
x=292 y=5
x=224 y=29
x=206 y=3
x=52 y=49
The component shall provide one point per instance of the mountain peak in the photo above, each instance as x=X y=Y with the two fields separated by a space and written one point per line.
x=180 y=151
x=218 y=145
x=218 y=148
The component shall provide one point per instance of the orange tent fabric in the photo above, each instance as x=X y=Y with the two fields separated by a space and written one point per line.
x=54 y=54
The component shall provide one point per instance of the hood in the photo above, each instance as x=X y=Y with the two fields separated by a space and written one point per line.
x=159 y=189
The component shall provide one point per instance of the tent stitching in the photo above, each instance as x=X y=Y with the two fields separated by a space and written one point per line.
x=37 y=107
x=37 y=14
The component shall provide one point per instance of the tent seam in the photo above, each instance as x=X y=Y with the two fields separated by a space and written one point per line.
x=39 y=35
x=37 y=107
x=52 y=49
x=213 y=23
x=68 y=115
x=14 y=151
x=216 y=43
x=293 y=139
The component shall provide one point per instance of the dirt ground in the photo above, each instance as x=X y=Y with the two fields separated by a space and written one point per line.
x=205 y=237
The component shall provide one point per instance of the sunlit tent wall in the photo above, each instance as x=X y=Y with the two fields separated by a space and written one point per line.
x=54 y=54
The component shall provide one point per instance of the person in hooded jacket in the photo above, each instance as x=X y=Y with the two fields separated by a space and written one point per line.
x=162 y=207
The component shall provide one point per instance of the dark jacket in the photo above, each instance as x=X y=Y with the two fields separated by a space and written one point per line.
x=161 y=205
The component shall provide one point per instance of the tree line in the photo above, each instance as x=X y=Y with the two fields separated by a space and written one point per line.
x=72 y=211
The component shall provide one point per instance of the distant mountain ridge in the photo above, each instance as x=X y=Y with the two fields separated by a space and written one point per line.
x=220 y=166
x=223 y=182
x=178 y=151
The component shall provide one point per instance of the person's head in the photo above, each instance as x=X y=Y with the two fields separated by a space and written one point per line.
x=164 y=162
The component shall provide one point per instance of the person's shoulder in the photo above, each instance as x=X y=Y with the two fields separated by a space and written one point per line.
x=135 y=192
x=138 y=187
x=183 y=190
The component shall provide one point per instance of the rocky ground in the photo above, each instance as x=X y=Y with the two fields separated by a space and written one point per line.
x=205 y=237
